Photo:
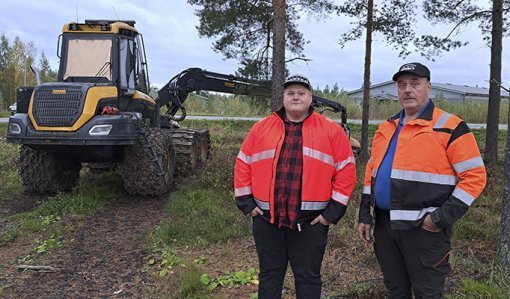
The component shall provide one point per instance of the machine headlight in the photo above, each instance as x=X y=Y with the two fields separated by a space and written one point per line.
x=100 y=130
x=14 y=129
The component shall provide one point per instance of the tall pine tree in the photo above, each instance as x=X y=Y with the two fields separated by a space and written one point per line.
x=247 y=31
x=394 y=19
x=492 y=23
x=46 y=73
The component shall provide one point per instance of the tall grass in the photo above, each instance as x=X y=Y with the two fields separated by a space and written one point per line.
x=10 y=182
x=230 y=105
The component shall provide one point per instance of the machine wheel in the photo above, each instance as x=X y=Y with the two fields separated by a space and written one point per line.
x=140 y=173
x=185 y=145
x=42 y=172
x=203 y=138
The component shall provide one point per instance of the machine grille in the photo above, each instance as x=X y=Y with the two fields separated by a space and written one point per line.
x=58 y=105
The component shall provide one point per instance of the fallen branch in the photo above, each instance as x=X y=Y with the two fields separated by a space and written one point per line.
x=37 y=268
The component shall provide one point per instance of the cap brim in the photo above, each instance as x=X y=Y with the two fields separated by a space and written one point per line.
x=286 y=84
x=397 y=74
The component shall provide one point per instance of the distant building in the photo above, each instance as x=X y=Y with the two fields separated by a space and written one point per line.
x=450 y=92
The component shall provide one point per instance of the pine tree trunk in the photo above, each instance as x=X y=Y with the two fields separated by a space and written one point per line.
x=504 y=230
x=366 y=84
x=278 y=54
x=491 y=134
x=504 y=233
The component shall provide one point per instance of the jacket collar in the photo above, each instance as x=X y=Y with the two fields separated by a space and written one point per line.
x=426 y=115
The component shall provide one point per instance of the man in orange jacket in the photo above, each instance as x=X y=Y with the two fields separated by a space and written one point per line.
x=424 y=172
x=294 y=175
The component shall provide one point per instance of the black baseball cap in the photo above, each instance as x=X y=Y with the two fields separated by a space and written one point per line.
x=413 y=68
x=297 y=79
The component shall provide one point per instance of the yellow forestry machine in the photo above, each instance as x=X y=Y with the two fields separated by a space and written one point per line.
x=99 y=112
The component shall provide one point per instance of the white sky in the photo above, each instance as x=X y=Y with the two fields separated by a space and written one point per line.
x=172 y=43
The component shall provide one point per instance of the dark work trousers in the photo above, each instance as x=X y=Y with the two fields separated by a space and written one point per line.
x=304 y=249
x=411 y=260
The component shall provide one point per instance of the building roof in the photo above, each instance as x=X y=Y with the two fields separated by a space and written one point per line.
x=463 y=89
x=460 y=89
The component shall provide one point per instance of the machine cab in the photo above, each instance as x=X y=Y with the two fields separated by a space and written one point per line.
x=104 y=52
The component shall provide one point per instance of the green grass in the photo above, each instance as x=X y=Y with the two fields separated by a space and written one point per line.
x=8 y=236
x=5 y=113
x=230 y=105
x=201 y=210
x=45 y=220
x=201 y=215
x=91 y=195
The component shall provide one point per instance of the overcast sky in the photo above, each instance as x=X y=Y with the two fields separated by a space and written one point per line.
x=172 y=43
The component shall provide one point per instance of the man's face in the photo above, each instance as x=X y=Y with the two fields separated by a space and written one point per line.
x=413 y=92
x=297 y=100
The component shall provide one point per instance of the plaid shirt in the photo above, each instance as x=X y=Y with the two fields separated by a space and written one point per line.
x=289 y=172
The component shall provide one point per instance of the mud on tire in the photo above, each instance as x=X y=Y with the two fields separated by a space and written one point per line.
x=203 y=143
x=186 y=149
x=42 y=172
x=139 y=172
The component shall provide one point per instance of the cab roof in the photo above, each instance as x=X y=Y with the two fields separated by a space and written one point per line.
x=100 y=26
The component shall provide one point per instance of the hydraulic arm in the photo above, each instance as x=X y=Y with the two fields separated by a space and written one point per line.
x=175 y=92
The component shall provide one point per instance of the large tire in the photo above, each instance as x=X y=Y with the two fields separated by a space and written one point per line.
x=42 y=172
x=140 y=173
x=203 y=143
x=185 y=146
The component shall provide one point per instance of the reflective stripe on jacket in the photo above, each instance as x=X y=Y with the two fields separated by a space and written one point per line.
x=437 y=169
x=329 y=173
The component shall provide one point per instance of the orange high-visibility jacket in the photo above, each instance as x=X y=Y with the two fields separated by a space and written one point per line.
x=329 y=173
x=437 y=170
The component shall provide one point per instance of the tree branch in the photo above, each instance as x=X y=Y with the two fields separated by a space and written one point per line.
x=465 y=19
x=298 y=58
x=38 y=268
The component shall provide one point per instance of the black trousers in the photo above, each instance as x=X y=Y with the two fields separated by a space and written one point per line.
x=304 y=249
x=413 y=260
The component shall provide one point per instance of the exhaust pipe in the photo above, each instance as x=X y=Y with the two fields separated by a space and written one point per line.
x=37 y=74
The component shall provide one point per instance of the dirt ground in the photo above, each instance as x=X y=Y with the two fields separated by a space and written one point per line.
x=104 y=254
x=102 y=257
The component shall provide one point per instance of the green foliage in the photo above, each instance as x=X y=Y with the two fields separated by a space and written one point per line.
x=164 y=262
x=393 y=19
x=8 y=235
x=231 y=278
x=52 y=242
x=192 y=286
x=182 y=282
x=226 y=105
x=46 y=73
x=10 y=182
x=473 y=111
x=199 y=214
x=4 y=113
x=15 y=60
x=39 y=223
x=242 y=30
x=8 y=156
x=495 y=287
x=469 y=111
x=71 y=203
x=92 y=194
x=457 y=15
